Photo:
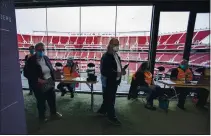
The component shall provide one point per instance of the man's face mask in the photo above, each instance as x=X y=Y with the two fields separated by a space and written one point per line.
x=40 y=53
x=31 y=51
x=183 y=66
x=116 y=48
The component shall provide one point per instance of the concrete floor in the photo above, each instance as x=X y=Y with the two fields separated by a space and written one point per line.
x=78 y=119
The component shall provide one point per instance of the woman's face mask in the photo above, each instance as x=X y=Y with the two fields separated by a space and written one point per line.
x=116 y=48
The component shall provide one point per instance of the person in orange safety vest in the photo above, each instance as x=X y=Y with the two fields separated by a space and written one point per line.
x=142 y=79
x=69 y=71
x=184 y=74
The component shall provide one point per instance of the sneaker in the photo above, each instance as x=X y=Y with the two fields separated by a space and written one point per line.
x=150 y=107
x=56 y=116
x=181 y=107
x=114 y=121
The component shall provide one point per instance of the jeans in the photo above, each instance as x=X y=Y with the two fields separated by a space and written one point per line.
x=69 y=86
x=152 y=93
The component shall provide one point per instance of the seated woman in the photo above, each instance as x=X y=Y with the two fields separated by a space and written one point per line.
x=69 y=71
x=143 y=79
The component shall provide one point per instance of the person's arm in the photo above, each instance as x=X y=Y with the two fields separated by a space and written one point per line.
x=26 y=57
x=140 y=79
x=30 y=69
x=123 y=70
x=174 y=74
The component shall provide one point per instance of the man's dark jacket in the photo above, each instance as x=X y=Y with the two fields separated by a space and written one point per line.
x=33 y=71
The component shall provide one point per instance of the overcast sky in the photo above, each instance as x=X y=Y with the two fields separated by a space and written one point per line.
x=102 y=19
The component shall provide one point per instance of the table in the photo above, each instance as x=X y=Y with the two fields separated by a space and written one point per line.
x=192 y=84
x=80 y=80
x=183 y=84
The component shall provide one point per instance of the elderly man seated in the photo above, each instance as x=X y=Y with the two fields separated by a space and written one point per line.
x=184 y=73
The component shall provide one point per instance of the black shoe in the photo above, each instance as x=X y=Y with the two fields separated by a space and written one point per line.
x=114 y=121
x=30 y=93
x=150 y=107
x=181 y=107
x=101 y=113
x=128 y=97
x=63 y=93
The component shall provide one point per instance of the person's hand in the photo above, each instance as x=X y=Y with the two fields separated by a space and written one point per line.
x=123 y=72
x=41 y=81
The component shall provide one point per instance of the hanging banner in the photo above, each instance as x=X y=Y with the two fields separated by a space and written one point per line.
x=12 y=116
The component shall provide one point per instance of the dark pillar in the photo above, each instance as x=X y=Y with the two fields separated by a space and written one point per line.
x=12 y=114
x=189 y=36
x=153 y=37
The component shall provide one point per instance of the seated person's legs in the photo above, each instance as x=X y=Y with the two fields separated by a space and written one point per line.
x=71 y=88
x=61 y=86
x=183 y=92
x=133 y=92
x=151 y=94
x=202 y=96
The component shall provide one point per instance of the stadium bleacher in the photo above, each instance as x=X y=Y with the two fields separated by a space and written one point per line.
x=78 y=47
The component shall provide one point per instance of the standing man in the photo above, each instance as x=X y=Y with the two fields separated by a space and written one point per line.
x=40 y=72
x=31 y=52
x=111 y=73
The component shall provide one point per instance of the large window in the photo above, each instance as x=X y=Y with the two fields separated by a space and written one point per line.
x=132 y=30
x=200 y=49
x=29 y=21
x=171 y=40
x=84 y=33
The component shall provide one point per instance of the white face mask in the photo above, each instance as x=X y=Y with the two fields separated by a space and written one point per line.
x=116 y=48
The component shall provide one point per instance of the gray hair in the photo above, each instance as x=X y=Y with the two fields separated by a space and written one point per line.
x=39 y=44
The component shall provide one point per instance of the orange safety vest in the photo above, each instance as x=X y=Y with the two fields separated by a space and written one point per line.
x=66 y=72
x=147 y=77
x=182 y=74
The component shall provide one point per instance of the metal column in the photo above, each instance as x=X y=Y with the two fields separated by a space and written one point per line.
x=153 y=37
x=189 y=36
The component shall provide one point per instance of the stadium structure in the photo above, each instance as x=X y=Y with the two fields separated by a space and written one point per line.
x=134 y=46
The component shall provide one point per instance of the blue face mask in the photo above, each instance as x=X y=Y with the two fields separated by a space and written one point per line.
x=183 y=66
x=40 y=53
x=31 y=51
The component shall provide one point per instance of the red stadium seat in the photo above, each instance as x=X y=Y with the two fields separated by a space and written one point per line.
x=200 y=35
x=20 y=38
x=142 y=40
x=162 y=39
x=36 y=39
x=26 y=38
x=91 y=55
x=89 y=40
x=64 y=40
x=173 y=38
